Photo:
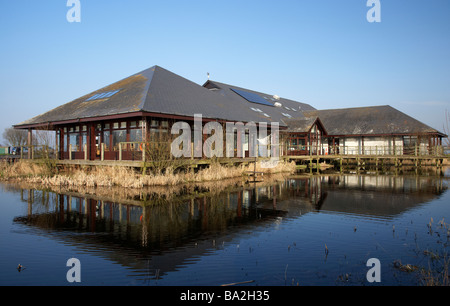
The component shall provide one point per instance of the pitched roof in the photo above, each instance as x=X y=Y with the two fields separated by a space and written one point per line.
x=373 y=120
x=157 y=90
x=132 y=90
x=277 y=108
x=303 y=125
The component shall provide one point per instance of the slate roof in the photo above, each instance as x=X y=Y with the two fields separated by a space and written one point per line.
x=157 y=90
x=374 y=120
x=301 y=125
x=286 y=111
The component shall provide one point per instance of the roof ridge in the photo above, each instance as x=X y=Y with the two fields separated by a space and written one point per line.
x=147 y=86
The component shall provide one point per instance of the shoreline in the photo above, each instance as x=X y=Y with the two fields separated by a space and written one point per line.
x=49 y=175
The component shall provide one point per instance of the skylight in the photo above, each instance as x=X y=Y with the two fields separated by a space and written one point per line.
x=256 y=109
x=103 y=95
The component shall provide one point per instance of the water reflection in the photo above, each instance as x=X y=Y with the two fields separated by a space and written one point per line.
x=168 y=227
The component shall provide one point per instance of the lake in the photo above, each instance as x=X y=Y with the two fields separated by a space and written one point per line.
x=285 y=231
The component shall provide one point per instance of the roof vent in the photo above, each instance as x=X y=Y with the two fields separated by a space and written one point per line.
x=276 y=97
x=277 y=104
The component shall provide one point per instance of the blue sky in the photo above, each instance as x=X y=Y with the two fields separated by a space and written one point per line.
x=321 y=52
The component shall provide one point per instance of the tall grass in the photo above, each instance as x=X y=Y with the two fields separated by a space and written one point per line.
x=107 y=176
x=22 y=169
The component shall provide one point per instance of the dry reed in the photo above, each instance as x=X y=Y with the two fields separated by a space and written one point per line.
x=107 y=176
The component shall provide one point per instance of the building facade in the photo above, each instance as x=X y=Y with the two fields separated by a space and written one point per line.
x=122 y=120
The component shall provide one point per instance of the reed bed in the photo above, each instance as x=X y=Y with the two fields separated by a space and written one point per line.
x=106 y=176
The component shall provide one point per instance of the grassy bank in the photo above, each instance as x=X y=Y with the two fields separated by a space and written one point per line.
x=105 y=176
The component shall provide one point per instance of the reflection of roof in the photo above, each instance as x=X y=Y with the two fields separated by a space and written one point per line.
x=375 y=120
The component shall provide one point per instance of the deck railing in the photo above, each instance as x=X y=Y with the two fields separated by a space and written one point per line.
x=399 y=150
x=155 y=150
x=35 y=152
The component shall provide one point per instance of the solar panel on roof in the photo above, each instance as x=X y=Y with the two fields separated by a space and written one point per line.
x=251 y=97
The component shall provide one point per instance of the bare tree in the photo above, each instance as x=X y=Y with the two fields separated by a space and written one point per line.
x=15 y=137
x=44 y=137
x=158 y=153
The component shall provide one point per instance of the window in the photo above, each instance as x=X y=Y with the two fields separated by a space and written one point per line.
x=83 y=141
x=74 y=140
x=135 y=135
x=154 y=123
x=106 y=139
x=410 y=140
x=118 y=136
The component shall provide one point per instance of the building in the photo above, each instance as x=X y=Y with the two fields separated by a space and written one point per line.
x=117 y=121
x=377 y=130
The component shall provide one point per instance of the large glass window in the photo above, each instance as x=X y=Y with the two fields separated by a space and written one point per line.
x=74 y=141
x=118 y=136
x=106 y=139
x=83 y=141
x=135 y=135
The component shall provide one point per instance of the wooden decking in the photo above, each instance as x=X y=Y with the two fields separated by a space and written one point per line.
x=317 y=162
x=362 y=161
x=371 y=157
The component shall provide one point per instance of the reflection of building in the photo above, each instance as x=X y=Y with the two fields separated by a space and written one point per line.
x=153 y=227
x=169 y=231
x=383 y=196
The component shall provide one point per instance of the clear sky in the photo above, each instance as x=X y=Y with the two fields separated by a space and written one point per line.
x=321 y=52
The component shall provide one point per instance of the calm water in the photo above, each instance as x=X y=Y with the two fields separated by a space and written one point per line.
x=273 y=233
